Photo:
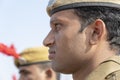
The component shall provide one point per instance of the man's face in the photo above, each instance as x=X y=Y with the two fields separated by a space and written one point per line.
x=67 y=45
x=31 y=72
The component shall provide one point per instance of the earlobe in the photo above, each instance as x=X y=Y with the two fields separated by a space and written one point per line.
x=98 y=31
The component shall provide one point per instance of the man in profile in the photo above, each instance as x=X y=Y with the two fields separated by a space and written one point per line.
x=84 y=39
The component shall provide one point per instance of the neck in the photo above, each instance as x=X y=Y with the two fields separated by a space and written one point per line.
x=83 y=72
x=97 y=57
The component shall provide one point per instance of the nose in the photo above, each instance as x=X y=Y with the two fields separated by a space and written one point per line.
x=49 y=40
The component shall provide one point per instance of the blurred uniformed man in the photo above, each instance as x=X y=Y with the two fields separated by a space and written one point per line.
x=84 y=39
x=33 y=64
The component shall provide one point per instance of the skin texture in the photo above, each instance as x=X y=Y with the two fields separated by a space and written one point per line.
x=74 y=52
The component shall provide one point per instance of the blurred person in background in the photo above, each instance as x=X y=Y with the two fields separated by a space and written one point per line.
x=33 y=64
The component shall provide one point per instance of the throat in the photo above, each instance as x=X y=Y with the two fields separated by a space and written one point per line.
x=82 y=73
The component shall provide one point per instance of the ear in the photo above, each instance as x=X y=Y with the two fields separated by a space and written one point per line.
x=49 y=73
x=98 y=31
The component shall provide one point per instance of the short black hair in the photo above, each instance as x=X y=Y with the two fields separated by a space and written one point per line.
x=110 y=16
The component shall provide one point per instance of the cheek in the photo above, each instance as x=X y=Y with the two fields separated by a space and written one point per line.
x=67 y=42
x=63 y=47
x=31 y=77
x=73 y=46
x=40 y=75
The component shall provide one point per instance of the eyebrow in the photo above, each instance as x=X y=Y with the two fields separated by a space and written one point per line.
x=23 y=71
x=53 y=20
x=57 y=20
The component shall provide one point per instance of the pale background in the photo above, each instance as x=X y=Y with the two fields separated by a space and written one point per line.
x=23 y=23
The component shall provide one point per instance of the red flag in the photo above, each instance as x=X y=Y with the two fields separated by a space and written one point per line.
x=14 y=77
x=10 y=51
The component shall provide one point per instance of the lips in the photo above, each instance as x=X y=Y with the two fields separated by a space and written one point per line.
x=51 y=55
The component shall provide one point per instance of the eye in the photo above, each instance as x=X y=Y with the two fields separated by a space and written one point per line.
x=25 y=72
x=57 y=26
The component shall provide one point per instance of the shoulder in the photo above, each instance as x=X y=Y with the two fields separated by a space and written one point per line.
x=113 y=76
x=107 y=70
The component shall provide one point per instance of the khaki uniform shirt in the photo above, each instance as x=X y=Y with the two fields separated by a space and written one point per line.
x=107 y=70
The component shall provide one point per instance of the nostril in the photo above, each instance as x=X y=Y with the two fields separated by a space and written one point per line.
x=48 y=44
